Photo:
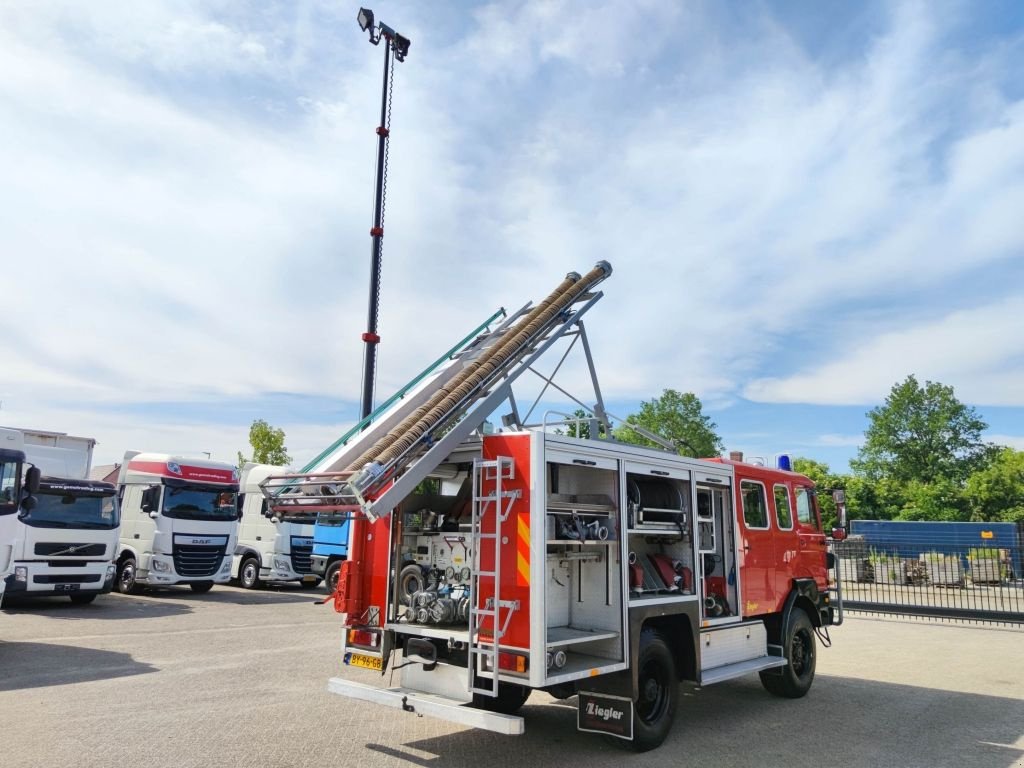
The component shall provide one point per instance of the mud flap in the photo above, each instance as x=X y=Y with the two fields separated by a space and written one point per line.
x=601 y=713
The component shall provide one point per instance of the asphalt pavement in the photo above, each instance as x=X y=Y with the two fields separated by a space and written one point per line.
x=238 y=679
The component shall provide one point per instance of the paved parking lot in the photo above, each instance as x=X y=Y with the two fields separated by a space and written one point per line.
x=236 y=678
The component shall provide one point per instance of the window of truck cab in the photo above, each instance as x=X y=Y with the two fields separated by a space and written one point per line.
x=755 y=504
x=192 y=501
x=55 y=509
x=783 y=510
x=806 y=509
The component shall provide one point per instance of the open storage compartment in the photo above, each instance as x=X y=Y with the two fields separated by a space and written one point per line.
x=584 y=611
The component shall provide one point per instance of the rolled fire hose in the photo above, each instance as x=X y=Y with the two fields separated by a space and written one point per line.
x=403 y=436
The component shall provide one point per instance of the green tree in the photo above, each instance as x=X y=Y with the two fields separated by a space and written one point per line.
x=922 y=434
x=267 y=445
x=677 y=417
x=996 y=492
x=941 y=499
x=580 y=428
x=825 y=482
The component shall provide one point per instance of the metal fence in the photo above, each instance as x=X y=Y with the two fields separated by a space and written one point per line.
x=932 y=577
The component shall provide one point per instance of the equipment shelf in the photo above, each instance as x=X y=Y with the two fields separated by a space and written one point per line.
x=584 y=542
x=571 y=635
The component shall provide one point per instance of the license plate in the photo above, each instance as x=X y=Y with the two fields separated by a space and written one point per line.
x=366 y=662
x=65 y=587
x=308 y=579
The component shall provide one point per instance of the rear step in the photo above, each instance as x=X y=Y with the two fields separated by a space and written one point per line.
x=740 y=668
x=419 y=703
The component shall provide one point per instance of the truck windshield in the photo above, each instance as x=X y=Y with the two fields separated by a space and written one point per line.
x=198 y=502
x=56 y=510
x=332 y=519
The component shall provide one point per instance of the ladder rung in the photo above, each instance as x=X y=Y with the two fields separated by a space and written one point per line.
x=490 y=574
x=484 y=536
x=485 y=612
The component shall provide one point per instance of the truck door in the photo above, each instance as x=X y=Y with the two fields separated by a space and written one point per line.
x=757 y=550
x=811 y=540
x=787 y=539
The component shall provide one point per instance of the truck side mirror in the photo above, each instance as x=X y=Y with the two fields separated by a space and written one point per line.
x=32 y=475
x=27 y=505
x=150 y=499
x=839 y=497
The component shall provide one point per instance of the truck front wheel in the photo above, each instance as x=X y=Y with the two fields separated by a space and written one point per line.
x=658 y=694
x=331 y=576
x=794 y=679
x=249 y=573
x=125 y=582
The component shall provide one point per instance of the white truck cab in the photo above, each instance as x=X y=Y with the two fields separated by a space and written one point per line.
x=270 y=548
x=11 y=463
x=179 y=521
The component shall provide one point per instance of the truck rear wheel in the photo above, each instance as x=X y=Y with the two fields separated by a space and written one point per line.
x=82 y=599
x=794 y=679
x=201 y=587
x=331 y=576
x=658 y=694
x=125 y=582
x=249 y=573
x=510 y=699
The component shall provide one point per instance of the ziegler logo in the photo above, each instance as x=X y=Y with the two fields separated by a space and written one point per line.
x=604 y=713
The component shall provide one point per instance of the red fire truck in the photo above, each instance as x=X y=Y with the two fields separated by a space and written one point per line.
x=484 y=566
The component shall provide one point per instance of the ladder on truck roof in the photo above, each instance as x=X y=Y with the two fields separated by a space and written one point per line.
x=414 y=434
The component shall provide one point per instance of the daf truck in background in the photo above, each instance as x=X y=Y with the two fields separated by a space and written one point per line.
x=67 y=538
x=270 y=547
x=179 y=523
x=13 y=495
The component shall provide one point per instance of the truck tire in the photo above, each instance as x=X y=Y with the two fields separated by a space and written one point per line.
x=201 y=587
x=794 y=679
x=82 y=599
x=249 y=573
x=125 y=581
x=509 y=700
x=657 y=694
x=331 y=576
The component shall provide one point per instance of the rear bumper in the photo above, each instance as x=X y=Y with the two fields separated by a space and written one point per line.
x=418 y=703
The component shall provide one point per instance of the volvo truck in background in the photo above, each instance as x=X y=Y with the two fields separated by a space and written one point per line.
x=13 y=496
x=270 y=547
x=179 y=523
x=67 y=537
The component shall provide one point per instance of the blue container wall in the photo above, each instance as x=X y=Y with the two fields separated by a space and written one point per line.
x=912 y=538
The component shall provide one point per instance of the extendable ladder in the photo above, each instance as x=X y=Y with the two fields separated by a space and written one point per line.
x=497 y=504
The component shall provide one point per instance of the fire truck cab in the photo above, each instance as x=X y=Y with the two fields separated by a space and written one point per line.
x=589 y=568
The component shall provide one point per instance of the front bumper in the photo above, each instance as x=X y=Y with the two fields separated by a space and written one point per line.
x=281 y=570
x=319 y=564
x=158 y=571
x=43 y=580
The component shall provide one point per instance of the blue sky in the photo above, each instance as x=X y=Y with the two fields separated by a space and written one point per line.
x=803 y=202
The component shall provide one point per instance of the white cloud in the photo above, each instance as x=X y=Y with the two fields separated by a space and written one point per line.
x=973 y=351
x=1013 y=441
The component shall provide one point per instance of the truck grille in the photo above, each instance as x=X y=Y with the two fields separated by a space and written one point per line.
x=70 y=549
x=301 y=559
x=48 y=578
x=194 y=560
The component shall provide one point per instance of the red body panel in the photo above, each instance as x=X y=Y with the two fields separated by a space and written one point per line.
x=515 y=555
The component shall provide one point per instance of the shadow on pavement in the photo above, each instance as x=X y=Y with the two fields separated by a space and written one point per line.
x=236 y=596
x=39 y=665
x=841 y=722
x=105 y=607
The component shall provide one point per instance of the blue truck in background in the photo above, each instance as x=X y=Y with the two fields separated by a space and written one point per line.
x=330 y=547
